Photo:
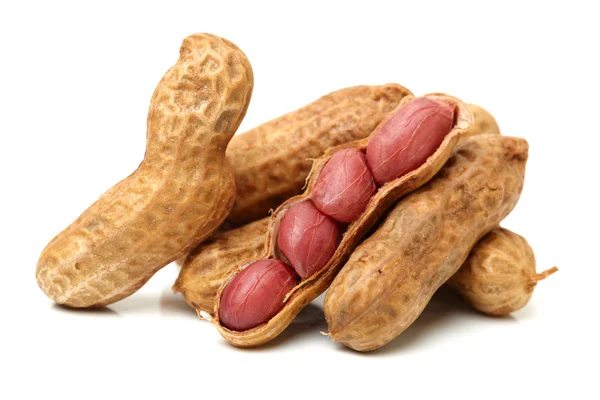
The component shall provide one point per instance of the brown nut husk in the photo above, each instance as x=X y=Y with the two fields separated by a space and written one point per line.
x=272 y=161
x=207 y=267
x=484 y=122
x=391 y=276
x=499 y=276
x=310 y=288
x=181 y=192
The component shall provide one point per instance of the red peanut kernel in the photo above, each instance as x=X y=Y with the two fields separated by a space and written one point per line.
x=307 y=238
x=345 y=186
x=405 y=140
x=256 y=294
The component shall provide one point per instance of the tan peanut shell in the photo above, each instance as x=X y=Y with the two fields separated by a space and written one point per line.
x=391 y=276
x=271 y=162
x=181 y=192
x=209 y=264
x=499 y=276
x=312 y=287
x=484 y=122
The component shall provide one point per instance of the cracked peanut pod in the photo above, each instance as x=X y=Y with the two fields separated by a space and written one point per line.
x=484 y=122
x=392 y=275
x=310 y=288
x=499 y=276
x=272 y=161
x=207 y=267
x=181 y=192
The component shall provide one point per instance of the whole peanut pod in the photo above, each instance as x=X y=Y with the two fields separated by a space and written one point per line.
x=181 y=192
x=272 y=161
x=499 y=276
x=391 y=276
x=484 y=122
x=311 y=287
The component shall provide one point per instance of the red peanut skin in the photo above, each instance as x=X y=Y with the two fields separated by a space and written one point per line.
x=308 y=238
x=345 y=186
x=256 y=294
x=408 y=138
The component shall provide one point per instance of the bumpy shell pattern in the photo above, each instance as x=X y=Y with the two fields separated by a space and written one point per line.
x=499 y=276
x=271 y=162
x=312 y=287
x=392 y=275
x=182 y=191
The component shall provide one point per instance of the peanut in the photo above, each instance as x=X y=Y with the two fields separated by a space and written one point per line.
x=499 y=276
x=181 y=192
x=271 y=162
x=256 y=294
x=307 y=238
x=311 y=286
x=403 y=143
x=424 y=240
x=345 y=186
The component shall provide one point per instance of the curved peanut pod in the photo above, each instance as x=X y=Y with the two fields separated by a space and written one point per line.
x=272 y=161
x=313 y=286
x=499 y=276
x=484 y=122
x=207 y=267
x=181 y=192
x=392 y=275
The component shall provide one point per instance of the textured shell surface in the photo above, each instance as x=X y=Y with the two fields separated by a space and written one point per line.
x=391 y=276
x=181 y=192
x=499 y=275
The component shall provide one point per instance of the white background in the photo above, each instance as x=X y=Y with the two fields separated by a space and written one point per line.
x=75 y=83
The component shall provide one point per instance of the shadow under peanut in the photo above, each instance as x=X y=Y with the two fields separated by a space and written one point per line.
x=96 y=312
x=446 y=315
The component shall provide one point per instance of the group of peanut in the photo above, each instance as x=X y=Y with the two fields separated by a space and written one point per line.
x=370 y=193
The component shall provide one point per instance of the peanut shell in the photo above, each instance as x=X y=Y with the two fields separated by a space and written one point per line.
x=499 y=276
x=181 y=192
x=312 y=287
x=391 y=276
x=484 y=122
